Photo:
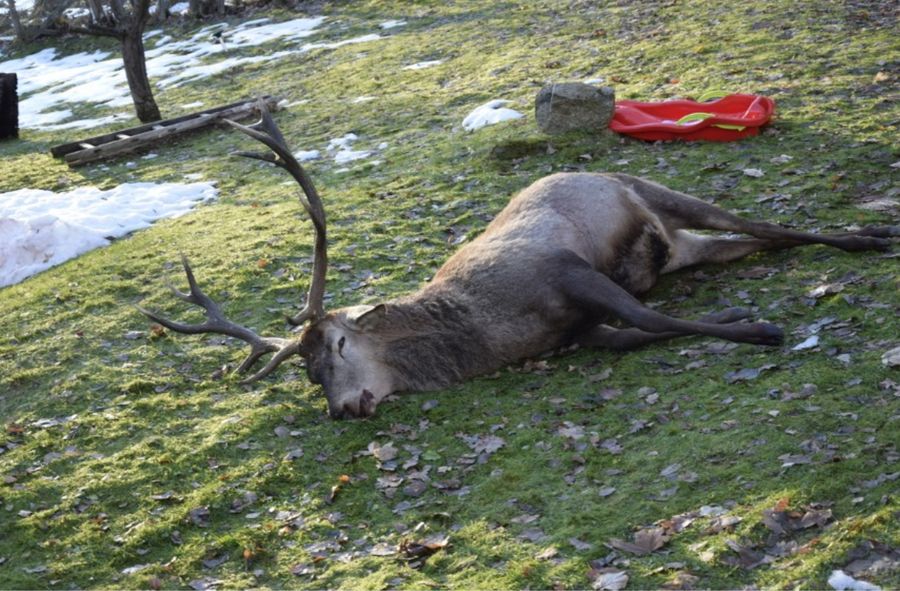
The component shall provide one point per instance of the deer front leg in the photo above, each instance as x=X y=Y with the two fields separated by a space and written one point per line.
x=626 y=339
x=599 y=295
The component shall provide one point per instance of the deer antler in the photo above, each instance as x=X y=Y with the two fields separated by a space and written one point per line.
x=267 y=132
x=216 y=322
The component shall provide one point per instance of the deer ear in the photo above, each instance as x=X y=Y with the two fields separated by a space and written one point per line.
x=369 y=317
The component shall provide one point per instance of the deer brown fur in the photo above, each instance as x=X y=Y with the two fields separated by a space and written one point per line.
x=561 y=260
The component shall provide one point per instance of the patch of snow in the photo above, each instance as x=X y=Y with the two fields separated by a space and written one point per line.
x=41 y=229
x=47 y=82
x=363 y=99
x=343 y=151
x=180 y=8
x=192 y=105
x=342 y=142
x=162 y=40
x=76 y=13
x=306 y=155
x=423 y=65
x=595 y=81
x=391 y=24
x=87 y=123
x=335 y=45
x=843 y=582
x=22 y=6
x=489 y=113
x=347 y=155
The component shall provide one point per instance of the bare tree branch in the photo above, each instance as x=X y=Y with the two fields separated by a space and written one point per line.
x=96 y=30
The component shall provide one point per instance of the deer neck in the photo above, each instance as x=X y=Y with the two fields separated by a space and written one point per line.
x=430 y=341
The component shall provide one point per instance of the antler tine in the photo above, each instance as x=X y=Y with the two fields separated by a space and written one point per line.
x=266 y=131
x=216 y=322
x=291 y=348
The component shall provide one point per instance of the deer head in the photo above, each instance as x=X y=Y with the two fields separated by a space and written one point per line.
x=340 y=351
x=342 y=354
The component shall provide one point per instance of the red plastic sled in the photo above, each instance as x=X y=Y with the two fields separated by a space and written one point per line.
x=727 y=119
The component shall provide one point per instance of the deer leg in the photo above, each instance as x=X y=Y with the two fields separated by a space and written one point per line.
x=687 y=249
x=678 y=210
x=598 y=294
x=625 y=339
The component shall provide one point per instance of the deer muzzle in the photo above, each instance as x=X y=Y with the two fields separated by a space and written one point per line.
x=364 y=407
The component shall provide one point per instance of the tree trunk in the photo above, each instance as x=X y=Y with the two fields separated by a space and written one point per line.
x=162 y=11
x=96 y=11
x=16 y=22
x=9 y=107
x=132 y=37
x=136 y=72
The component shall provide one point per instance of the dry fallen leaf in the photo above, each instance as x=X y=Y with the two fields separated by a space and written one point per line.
x=200 y=516
x=383 y=453
x=421 y=550
x=747 y=558
x=826 y=289
x=486 y=444
x=580 y=545
x=682 y=580
x=891 y=358
x=547 y=553
x=645 y=541
x=608 y=579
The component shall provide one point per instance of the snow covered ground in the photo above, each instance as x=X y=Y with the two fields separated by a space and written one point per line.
x=22 y=6
x=50 y=84
x=41 y=229
x=489 y=113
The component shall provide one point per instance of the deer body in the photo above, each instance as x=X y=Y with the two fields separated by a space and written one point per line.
x=564 y=257
x=515 y=291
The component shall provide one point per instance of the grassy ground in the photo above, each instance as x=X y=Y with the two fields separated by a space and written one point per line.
x=127 y=463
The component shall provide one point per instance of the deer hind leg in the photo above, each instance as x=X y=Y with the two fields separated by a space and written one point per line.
x=599 y=295
x=680 y=211
x=687 y=248
x=625 y=339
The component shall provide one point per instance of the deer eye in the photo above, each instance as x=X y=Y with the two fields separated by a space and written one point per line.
x=341 y=344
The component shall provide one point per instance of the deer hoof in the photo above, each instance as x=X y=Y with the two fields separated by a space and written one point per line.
x=763 y=333
x=880 y=231
x=857 y=243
